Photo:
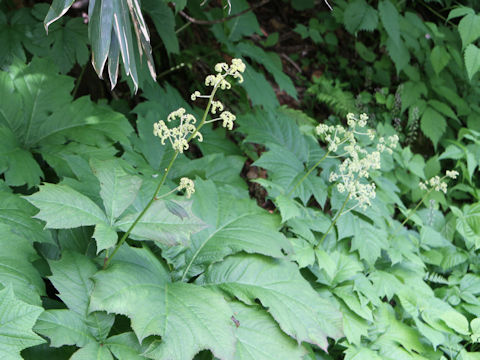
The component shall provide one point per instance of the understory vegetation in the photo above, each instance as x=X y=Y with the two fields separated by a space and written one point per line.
x=239 y=180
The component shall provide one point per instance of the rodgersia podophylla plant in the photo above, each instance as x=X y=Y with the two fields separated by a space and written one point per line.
x=353 y=174
x=188 y=128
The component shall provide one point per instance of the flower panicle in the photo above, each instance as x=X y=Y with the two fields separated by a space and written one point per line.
x=438 y=183
x=353 y=173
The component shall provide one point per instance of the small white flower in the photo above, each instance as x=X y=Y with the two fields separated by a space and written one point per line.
x=195 y=95
x=216 y=105
x=452 y=174
x=188 y=185
x=228 y=119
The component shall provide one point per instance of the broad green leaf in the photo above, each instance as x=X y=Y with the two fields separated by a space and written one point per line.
x=368 y=241
x=56 y=11
x=125 y=346
x=456 y=321
x=17 y=213
x=468 y=223
x=64 y=327
x=390 y=20
x=259 y=89
x=159 y=224
x=117 y=188
x=460 y=11
x=361 y=353
x=105 y=236
x=16 y=269
x=272 y=64
x=71 y=277
x=472 y=60
x=298 y=309
x=92 y=351
x=16 y=321
x=288 y=207
x=469 y=29
x=433 y=125
x=61 y=207
x=399 y=54
x=189 y=318
x=439 y=58
x=252 y=344
x=243 y=227
x=360 y=16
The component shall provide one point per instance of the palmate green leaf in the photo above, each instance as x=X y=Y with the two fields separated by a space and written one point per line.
x=160 y=224
x=230 y=229
x=360 y=16
x=253 y=343
x=468 y=223
x=278 y=285
x=189 y=318
x=117 y=188
x=16 y=321
x=61 y=207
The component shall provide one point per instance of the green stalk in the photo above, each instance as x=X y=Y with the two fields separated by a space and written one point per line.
x=160 y=184
x=416 y=207
x=308 y=173
x=339 y=213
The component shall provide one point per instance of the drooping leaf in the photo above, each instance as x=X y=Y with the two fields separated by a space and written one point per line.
x=16 y=321
x=298 y=309
x=188 y=317
x=159 y=224
x=57 y=10
x=61 y=207
x=164 y=21
x=105 y=236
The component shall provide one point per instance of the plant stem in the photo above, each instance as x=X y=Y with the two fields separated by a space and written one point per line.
x=416 y=207
x=162 y=181
x=79 y=80
x=308 y=173
x=339 y=213
x=152 y=200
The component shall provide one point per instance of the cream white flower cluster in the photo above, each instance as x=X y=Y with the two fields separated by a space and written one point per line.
x=353 y=173
x=436 y=183
x=188 y=185
x=219 y=81
x=177 y=135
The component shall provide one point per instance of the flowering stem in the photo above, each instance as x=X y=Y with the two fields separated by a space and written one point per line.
x=416 y=207
x=308 y=173
x=152 y=200
x=339 y=213
x=160 y=184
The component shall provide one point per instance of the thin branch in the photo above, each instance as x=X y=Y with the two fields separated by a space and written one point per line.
x=218 y=21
